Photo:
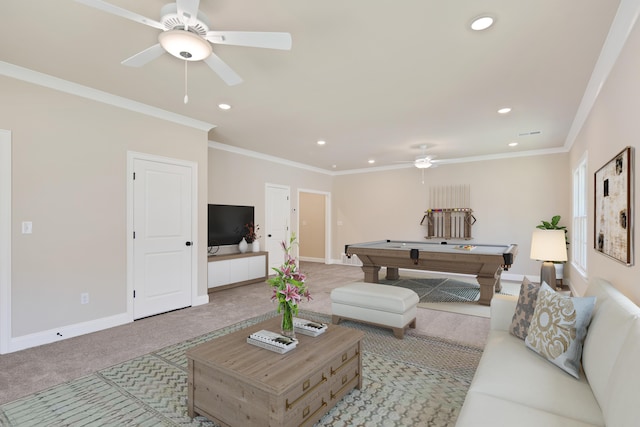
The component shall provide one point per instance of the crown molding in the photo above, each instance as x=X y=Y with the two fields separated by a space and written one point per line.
x=261 y=156
x=623 y=23
x=61 y=85
x=279 y=160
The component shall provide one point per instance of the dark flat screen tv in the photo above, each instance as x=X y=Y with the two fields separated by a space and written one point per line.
x=227 y=224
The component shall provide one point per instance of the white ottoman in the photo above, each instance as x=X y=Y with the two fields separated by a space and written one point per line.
x=381 y=305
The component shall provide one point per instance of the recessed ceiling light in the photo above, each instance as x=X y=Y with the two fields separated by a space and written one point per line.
x=481 y=23
x=334 y=166
x=224 y=106
x=504 y=110
x=371 y=161
x=513 y=144
x=321 y=142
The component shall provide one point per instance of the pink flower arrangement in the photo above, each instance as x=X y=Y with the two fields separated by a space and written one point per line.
x=288 y=285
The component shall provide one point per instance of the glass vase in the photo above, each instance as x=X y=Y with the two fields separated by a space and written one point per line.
x=287 y=321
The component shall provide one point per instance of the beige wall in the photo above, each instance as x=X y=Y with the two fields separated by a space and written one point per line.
x=509 y=197
x=236 y=179
x=69 y=178
x=612 y=125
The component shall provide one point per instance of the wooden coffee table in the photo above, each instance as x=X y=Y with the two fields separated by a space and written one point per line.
x=235 y=383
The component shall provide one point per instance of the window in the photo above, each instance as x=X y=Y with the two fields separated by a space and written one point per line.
x=579 y=234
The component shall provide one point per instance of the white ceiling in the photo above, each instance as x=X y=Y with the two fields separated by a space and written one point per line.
x=374 y=79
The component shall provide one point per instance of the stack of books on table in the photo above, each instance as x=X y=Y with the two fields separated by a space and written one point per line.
x=272 y=341
x=308 y=327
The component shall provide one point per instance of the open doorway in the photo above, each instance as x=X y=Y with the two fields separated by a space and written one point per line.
x=314 y=226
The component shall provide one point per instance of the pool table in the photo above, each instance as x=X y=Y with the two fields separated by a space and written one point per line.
x=486 y=262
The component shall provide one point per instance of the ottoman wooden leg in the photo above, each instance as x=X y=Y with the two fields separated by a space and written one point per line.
x=335 y=319
x=398 y=332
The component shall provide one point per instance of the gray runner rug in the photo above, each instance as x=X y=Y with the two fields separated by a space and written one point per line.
x=439 y=289
x=416 y=381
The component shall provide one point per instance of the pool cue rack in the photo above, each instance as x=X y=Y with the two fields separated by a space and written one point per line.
x=449 y=223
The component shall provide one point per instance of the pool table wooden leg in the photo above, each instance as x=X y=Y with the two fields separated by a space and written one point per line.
x=371 y=273
x=489 y=284
x=392 y=273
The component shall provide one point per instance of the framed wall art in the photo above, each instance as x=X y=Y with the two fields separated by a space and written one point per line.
x=613 y=208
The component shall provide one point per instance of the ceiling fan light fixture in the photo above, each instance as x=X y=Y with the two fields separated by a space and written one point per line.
x=185 y=45
x=422 y=163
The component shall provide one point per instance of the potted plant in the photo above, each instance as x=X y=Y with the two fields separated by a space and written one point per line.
x=553 y=225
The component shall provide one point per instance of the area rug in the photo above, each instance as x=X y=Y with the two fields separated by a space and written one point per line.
x=447 y=294
x=417 y=381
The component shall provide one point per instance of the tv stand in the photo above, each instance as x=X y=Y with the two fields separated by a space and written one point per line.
x=231 y=270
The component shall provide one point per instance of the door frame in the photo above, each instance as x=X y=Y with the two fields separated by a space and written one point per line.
x=5 y=242
x=131 y=157
x=267 y=187
x=327 y=220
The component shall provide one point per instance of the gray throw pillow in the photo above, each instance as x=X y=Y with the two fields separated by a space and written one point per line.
x=524 y=310
x=558 y=327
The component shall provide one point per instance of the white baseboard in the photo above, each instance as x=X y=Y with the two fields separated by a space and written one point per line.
x=65 y=332
x=200 y=300
x=311 y=259
x=70 y=331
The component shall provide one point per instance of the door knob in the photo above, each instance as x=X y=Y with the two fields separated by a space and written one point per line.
x=268 y=235
x=188 y=243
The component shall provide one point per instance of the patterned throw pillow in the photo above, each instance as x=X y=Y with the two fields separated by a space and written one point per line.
x=558 y=327
x=524 y=309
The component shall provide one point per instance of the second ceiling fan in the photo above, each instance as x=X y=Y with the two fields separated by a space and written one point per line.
x=186 y=34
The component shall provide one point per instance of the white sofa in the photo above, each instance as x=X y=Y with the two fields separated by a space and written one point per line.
x=514 y=386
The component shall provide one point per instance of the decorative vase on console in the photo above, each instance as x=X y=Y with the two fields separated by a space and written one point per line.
x=252 y=236
x=288 y=289
x=243 y=246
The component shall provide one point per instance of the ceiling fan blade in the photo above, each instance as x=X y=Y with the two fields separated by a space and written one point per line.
x=280 y=41
x=144 y=57
x=223 y=70
x=118 y=11
x=188 y=10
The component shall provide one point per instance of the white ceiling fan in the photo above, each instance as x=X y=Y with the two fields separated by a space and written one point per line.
x=186 y=34
x=424 y=160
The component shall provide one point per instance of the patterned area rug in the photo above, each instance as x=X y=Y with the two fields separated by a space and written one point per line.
x=417 y=381
x=434 y=290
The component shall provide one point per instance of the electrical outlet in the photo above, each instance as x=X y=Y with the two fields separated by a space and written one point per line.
x=84 y=298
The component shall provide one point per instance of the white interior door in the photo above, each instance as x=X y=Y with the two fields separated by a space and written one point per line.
x=278 y=218
x=162 y=244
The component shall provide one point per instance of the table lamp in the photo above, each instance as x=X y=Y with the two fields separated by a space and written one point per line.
x=548 y=246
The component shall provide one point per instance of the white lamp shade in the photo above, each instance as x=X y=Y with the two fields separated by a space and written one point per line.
x=548 y=245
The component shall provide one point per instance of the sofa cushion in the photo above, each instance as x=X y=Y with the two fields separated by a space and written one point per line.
x=524 y=310
x=482 y=410
x=621 y=407
x=611 y=353
x=510 y=371
x=612 y=320
x=558 y=328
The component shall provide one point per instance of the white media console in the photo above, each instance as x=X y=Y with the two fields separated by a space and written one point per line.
x=231 y=270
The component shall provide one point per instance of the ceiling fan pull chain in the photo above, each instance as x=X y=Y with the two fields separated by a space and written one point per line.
x=186 y=97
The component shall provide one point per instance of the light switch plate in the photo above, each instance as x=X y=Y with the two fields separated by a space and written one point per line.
x=27 y=227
